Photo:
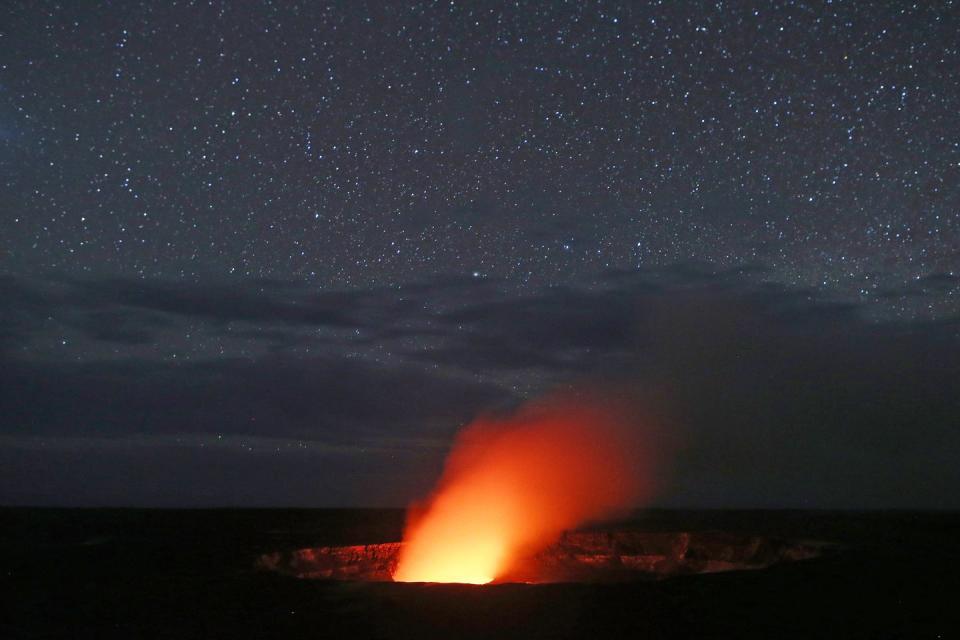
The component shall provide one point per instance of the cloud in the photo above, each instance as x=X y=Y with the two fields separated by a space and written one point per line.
x=779 y=396
x=337 y=401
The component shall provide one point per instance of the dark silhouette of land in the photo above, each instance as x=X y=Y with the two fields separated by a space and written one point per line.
x=192 y=574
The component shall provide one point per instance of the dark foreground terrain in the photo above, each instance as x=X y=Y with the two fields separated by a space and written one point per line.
x=191 y=574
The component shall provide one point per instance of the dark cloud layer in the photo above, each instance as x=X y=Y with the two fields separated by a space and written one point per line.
x=279 y=393
x=339 y=402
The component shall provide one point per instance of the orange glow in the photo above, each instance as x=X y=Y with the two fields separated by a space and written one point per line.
x=511 y=486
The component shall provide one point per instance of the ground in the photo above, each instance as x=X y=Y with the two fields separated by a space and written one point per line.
x=190 y=574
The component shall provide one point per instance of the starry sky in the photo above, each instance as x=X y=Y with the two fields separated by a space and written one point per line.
x=277 y=253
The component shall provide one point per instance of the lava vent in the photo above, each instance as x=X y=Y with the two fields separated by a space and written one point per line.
x=608 y=556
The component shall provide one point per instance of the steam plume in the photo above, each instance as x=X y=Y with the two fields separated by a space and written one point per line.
x=512 y=485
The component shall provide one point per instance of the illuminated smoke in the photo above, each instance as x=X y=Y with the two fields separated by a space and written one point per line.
x=511 y=486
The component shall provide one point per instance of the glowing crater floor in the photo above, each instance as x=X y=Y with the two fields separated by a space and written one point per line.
x=606 y=556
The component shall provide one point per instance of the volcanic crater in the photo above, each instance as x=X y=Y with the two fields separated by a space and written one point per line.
x=580 y=556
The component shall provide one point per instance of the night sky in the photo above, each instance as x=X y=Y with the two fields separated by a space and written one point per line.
x=272 y=254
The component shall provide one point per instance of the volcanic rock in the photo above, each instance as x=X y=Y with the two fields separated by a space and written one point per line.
x=603 y=556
